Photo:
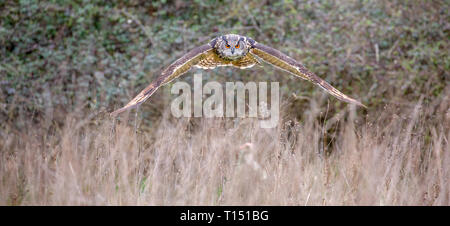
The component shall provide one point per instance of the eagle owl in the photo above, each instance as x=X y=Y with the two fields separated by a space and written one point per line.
x=236 y=51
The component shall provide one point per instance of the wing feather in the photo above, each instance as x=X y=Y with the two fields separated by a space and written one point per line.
x=173 y=71
x=288 y=64
x=247 y=61
x=211 y=61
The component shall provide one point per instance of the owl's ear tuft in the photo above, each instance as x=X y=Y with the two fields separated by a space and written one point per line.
x=213 y=42
x=251 y=41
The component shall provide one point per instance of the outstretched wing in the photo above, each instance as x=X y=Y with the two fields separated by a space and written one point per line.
x=176 y=69
x=284 y=62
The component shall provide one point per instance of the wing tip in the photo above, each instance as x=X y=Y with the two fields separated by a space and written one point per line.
x=352 y=101
x=118 y=111
x=362 y=105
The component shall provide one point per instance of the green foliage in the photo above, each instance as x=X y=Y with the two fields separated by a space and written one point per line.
x=64 y=53
x=65 y=63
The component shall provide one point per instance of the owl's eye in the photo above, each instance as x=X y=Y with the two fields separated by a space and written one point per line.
x=237 y=46
x=228 y=46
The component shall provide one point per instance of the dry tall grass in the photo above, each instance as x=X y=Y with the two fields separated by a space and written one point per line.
x=397 y=157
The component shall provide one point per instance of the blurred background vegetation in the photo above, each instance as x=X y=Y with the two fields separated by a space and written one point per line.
x=62 y=56
x=65 y=64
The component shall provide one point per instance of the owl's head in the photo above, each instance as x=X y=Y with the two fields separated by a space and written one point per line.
x=231 y=46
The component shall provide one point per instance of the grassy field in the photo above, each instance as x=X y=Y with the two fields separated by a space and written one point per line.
x=64 y=65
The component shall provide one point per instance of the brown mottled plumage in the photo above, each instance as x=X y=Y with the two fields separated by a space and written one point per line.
x=237 y=51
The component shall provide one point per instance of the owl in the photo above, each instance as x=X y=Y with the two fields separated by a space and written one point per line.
x=236 y=51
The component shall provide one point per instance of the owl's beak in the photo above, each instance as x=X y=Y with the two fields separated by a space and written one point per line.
x=232 y=51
